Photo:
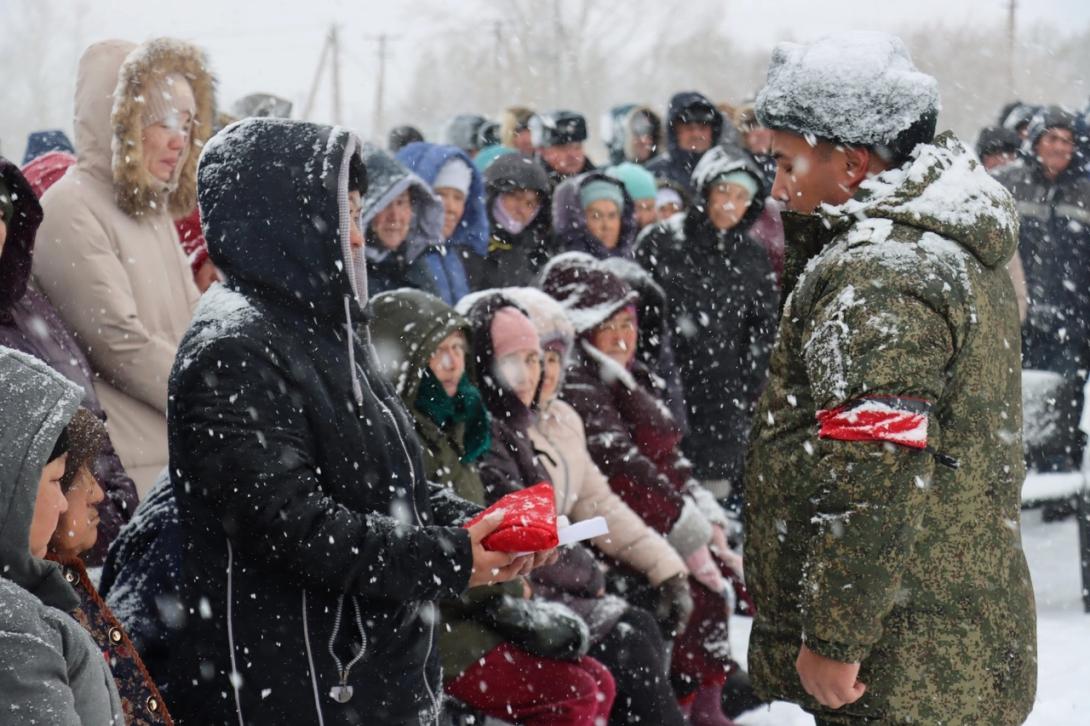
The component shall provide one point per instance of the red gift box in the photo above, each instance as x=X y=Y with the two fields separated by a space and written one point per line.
x=529 y=521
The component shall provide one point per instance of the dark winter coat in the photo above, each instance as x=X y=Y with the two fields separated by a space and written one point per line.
x=29 y=323
x=407 y=326
x=140 y=699
x=307 y=523
x=51 y=671
x=514 y=259
x=1054 y=243
x=900 y=315
x=722 y=313
x=141 y=578
x=570 y=219
x=678 y=164
x=422 y=261
x=634 y=440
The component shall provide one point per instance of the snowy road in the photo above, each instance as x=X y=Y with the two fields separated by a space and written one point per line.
x=1063 y=633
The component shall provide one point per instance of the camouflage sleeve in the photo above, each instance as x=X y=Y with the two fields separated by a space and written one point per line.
x=876 y=356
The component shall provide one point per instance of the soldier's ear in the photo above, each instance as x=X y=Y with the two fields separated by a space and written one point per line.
x=857 y=165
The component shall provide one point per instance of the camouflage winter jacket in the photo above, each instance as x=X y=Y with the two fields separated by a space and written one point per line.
x=885 y=463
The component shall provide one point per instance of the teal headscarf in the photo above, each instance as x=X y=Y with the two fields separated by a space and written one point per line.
x=465 y=406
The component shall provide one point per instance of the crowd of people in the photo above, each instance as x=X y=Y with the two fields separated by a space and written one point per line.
x=249 y=439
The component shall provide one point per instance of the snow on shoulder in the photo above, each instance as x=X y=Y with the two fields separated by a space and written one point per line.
x=857 y=87
x=220 y=313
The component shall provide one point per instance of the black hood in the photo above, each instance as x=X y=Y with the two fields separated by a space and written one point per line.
x=720 y=160
x=19 y=248
x=679 y=103
x=512 y=172
x=274 y=204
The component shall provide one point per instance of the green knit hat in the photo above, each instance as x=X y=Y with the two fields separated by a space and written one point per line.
x=638 y=182
x=601 y=189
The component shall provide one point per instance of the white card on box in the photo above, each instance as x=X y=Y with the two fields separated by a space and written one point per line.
x=586 y=529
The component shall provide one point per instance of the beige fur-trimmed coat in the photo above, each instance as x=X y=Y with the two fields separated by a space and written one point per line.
x=107 y=254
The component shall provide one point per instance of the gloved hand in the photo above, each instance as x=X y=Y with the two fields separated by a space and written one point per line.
x=703 y=567
x=674 y=606
x=724 y=553
x=708 y=505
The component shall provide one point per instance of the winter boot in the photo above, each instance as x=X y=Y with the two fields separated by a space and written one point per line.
x=708 y=708
x=738 y=695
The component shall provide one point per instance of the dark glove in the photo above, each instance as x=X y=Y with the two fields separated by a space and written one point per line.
x=674 y=605
x=545 y=629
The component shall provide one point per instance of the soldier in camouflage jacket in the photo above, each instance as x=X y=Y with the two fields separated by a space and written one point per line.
x=885 y=463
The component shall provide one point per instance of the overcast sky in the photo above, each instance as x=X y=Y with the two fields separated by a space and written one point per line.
x=256 y=47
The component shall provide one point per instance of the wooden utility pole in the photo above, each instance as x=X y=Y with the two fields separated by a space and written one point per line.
x=378 y=126
x=317 y=80
x=335 y=51
x=1012 y=33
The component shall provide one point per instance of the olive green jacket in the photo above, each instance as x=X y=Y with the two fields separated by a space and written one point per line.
x=884 y=553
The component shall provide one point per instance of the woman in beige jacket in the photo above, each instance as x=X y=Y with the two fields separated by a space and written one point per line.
x=582 y=491
x=107 y=252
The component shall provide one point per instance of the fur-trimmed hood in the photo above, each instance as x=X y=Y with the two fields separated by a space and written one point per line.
x=112 y=80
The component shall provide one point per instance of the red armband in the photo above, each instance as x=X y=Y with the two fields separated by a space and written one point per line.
x=901 y=421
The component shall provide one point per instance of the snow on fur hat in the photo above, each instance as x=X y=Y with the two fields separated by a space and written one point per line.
x=857 y=87
x=589 y=294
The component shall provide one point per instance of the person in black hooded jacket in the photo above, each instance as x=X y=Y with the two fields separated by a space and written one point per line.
x=517 y=199
x=1052 y=192
x=313 y=549
x=723 y=309
x=693 y=125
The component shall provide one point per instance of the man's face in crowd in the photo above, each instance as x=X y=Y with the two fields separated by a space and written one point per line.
x=809 y=175
x=1055 y=149
x=565 y=158
x=694 y=136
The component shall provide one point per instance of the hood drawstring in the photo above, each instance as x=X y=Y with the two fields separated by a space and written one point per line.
x=357 y=391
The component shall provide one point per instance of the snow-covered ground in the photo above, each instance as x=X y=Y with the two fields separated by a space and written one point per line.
x=1063 y=633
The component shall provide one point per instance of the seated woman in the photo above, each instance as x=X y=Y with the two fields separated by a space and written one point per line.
x=403 y=224
x=634 y=440
x=76 y=534
x=51 y=671
x=593 y=213
x=635 y=655
x=491 y=635
x=457 y=182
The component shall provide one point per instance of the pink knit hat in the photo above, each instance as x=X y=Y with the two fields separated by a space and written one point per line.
x=512 y=332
